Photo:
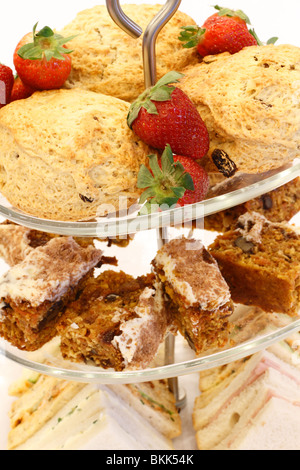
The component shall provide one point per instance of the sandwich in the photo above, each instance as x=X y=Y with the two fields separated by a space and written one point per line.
x=54 y=414
x=238 y=401
x=96 y=419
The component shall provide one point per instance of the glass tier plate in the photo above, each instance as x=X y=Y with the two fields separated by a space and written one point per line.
x=230 y=193
x=253 y=331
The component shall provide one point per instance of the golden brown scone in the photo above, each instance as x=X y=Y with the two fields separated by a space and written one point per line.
x=68 y=154
x=250 y=104
x=107 y=60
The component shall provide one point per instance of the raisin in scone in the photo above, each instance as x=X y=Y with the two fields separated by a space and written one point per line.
x=69 y=155
x=249 y=102
x=107 y=60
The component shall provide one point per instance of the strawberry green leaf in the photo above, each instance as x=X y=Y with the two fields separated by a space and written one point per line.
x=167 y=161
x=179 y=192
x=145 y=178
x=149 y=193
x=168 y=202
x=31 y=52
x=150 y=107
x=153 y=162
x=259 y=42
x=162 y=94
x=191 y=35
x=159 y=92
x=272 y=40
x=133 y=113
x=48 y=55
x=167 y=181
x=46 y=32
x=46 y=45
x=187 y=182
x=168 y=78
x=232 y=13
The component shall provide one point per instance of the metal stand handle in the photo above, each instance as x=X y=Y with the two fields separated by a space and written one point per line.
x=150 y=34
x=150 y=77
x=150 y=37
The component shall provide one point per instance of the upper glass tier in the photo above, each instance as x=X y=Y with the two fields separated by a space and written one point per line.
x=236 y=190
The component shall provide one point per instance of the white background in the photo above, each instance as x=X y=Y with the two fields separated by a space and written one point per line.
x=268 y=17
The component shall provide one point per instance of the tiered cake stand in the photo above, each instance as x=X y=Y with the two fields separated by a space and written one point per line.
x=241 y=189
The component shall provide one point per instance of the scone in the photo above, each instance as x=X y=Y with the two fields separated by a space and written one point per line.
x=250 y=104
x=107 y=60
x=69 y=155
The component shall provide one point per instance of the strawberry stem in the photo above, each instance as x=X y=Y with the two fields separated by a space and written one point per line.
x=161 y=91
x=191 y=36
x=232 y=13
x=166 y=183
x=46 y=45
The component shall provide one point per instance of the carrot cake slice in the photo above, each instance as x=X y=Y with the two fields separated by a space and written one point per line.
x=17 y=241
x=35 y=292
x=117 y=322
x=199 y=299
x=260 y=261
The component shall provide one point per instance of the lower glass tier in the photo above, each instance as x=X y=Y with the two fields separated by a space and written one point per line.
x=229 y=193
x=253 y=331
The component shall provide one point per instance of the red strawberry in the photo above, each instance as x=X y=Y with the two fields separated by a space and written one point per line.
x=165 y=115
x=174 y=180
x=6 y=84
x=225 y=31
x=45 y=63
x=200 y=179
x=237 y=15
x=20 y=91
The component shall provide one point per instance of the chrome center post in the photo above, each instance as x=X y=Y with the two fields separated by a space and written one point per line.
x=150 y=78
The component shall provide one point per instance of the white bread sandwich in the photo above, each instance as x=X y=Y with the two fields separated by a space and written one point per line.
x=154 y=402
x=96 y=419
x=274 y=426
x=233 y=396
x=55 y=414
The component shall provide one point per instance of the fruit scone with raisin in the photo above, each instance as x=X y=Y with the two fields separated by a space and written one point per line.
x=107 y=60
x=69 y=155
x=197 y=296
x=249 y=103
